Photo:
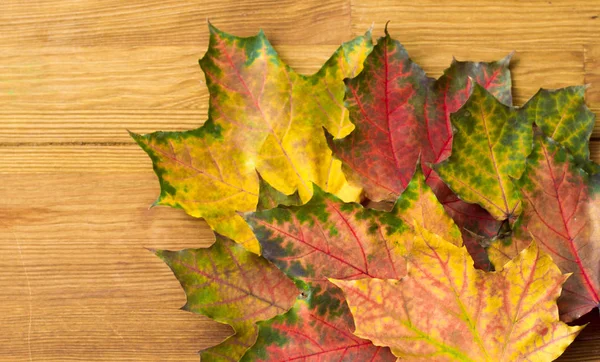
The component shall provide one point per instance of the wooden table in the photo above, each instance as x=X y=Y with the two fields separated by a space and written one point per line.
x=76 y=282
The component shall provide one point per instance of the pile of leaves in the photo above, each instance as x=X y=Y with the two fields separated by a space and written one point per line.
x=368 y=212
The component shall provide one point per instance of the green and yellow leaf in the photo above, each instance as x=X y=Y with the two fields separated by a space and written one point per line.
x=490 y=147
x=234 y=347
x=263 y=116
x=563 y=116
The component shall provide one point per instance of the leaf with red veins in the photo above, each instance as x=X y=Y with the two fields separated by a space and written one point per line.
x=327 y=238
x=385 y=102
x=311 y=332
x=264 y=117
x=561 y=208
x=231 y=285
x=445 y=310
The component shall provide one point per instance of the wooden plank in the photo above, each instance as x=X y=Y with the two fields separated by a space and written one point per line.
x=592 y=78
x=169 y=22
x=587 y=345
x=93 y=94
x=518 y=24
x=73 y=260
x=123 y=159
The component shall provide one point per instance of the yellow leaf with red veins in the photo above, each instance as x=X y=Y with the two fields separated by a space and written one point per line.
x=263 y=117
x=446 y=310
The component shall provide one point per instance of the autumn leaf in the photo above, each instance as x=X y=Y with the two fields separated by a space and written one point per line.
x=490 y=146
x=263 y=116
x=446 y=310
x=329 y=238
x=562 y=204
x=563 y=116
x=386 y=104
x=231 y=285
x=317 y=328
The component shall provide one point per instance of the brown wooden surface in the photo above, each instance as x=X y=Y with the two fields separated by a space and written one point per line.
x=76 y=282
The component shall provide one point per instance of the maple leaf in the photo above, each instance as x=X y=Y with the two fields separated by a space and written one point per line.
x=329 y=238
x=561 y=211
x=231 y=285
x=263 y=116
x=447 y=95
x=491 y=145
x=445 y=309
x=386 y=104
x=317 y=328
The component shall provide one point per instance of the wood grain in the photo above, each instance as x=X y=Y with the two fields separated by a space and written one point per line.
x=77 y=282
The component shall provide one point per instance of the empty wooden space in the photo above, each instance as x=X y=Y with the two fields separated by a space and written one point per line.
x=77 y=282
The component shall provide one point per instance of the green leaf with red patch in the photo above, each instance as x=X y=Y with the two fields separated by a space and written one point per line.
x=328 y=238
x=446 y=96
x=563 y=116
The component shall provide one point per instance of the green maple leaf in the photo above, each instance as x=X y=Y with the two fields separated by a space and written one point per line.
x=563 y=116
x=491 y=145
